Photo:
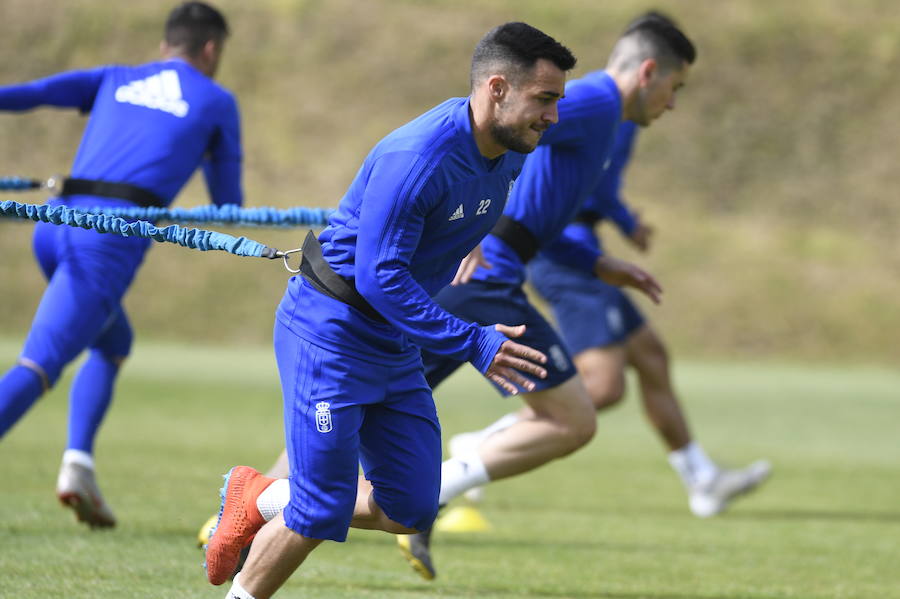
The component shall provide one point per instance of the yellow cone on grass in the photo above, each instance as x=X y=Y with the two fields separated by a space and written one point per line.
x=203 y=535
x=464 y=518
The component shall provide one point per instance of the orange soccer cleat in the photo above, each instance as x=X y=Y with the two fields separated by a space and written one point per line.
x=238 y=522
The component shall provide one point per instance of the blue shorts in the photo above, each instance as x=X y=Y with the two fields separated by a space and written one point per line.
x=87 y=274
x=589 y=312
x=340 y=412
x=494 y=302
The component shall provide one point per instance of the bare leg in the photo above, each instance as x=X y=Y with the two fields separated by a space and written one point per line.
x=281 y=468
x=562 y=421
x=648 y=356
x=603 y=371
x=369 y=516
x=276 y=552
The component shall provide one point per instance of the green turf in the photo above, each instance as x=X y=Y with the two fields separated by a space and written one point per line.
x=610 y=521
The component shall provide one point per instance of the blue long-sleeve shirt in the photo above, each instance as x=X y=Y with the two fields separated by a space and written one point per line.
x=150 y=125
x=559 y=176
x=422 y=200
x=606 y=200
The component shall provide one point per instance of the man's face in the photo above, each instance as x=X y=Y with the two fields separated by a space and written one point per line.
x=657 y=93
x=528 y=108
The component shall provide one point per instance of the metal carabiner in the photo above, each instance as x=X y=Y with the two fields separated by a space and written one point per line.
x=284 y=257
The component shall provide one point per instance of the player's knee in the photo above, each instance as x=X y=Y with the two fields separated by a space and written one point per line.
x=576 y=429
x=47 y=376
x=605 y=391
x=649 y=355
x=583 y=432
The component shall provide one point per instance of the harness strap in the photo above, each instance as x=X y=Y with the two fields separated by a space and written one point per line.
x=318 y=272
x=517 y=236
x=587 y=218
x=105 y=189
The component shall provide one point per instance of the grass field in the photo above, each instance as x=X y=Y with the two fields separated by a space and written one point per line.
x=610 y=521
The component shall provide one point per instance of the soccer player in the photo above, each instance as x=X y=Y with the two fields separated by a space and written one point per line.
x=150 y=127
x=348 y=333
x=605 y=331
x=648 y=65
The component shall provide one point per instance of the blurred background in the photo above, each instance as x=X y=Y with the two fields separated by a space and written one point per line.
x=772 y=186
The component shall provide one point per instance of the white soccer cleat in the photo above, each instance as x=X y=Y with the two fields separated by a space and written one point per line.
x=712 y=498
x=461 y=445
x=77 y=488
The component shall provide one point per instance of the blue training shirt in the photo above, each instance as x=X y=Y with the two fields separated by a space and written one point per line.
x=559 y=176
x=150 y=126
x=422 y=200
x=606 y=201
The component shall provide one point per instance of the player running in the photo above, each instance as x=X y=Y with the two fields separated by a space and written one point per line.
x=150 y=127
x=605 y=331
x=348 y=333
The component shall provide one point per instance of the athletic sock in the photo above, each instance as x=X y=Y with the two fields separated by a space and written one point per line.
x=693 y=465
x=237 y=591
x=89 y=400
x=274 y=499
x=76 y=456
x=20 y=387
x=460 y=474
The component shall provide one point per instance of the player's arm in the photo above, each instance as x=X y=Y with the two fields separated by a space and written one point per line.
x=222 y=163
x=472 y=262
x=579 y=253
x=625 y=274
x=606 y=201
x=398 y=196
x=72 y=89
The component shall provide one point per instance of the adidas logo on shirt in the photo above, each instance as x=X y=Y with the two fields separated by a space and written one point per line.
x=457 y=214
x=159 y=92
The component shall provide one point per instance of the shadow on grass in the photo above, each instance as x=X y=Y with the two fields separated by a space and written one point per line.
x=511 y=544
x=827 y=515
x=487 y=590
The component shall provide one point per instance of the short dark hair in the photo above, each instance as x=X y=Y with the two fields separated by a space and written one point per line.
x=516 y=47
x=653 y=35
x=192 y=24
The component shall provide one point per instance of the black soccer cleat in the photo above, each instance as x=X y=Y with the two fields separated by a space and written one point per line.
x=416 y=549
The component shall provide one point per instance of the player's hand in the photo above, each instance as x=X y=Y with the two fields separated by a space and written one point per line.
x=641 y=236
x=469 y=265
x=624 y=274
x=512 y=360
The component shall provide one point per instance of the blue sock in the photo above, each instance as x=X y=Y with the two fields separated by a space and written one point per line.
x=19 y=389
x=91 y=394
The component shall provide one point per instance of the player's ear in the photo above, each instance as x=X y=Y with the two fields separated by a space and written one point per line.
x=210 y=50
x=646 y=71
x=498 y=87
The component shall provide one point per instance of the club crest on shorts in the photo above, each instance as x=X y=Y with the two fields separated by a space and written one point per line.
x=615 y=320
x=323 y=417
x=558 y=356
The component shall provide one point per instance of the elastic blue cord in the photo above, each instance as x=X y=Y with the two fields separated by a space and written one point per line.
x=19 y=184
x=227 y=214
x=197 y=239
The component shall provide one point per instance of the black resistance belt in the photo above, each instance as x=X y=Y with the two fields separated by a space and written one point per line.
x=318 y=273
x=587 y=218
x=105 y=189
x=517 y=236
